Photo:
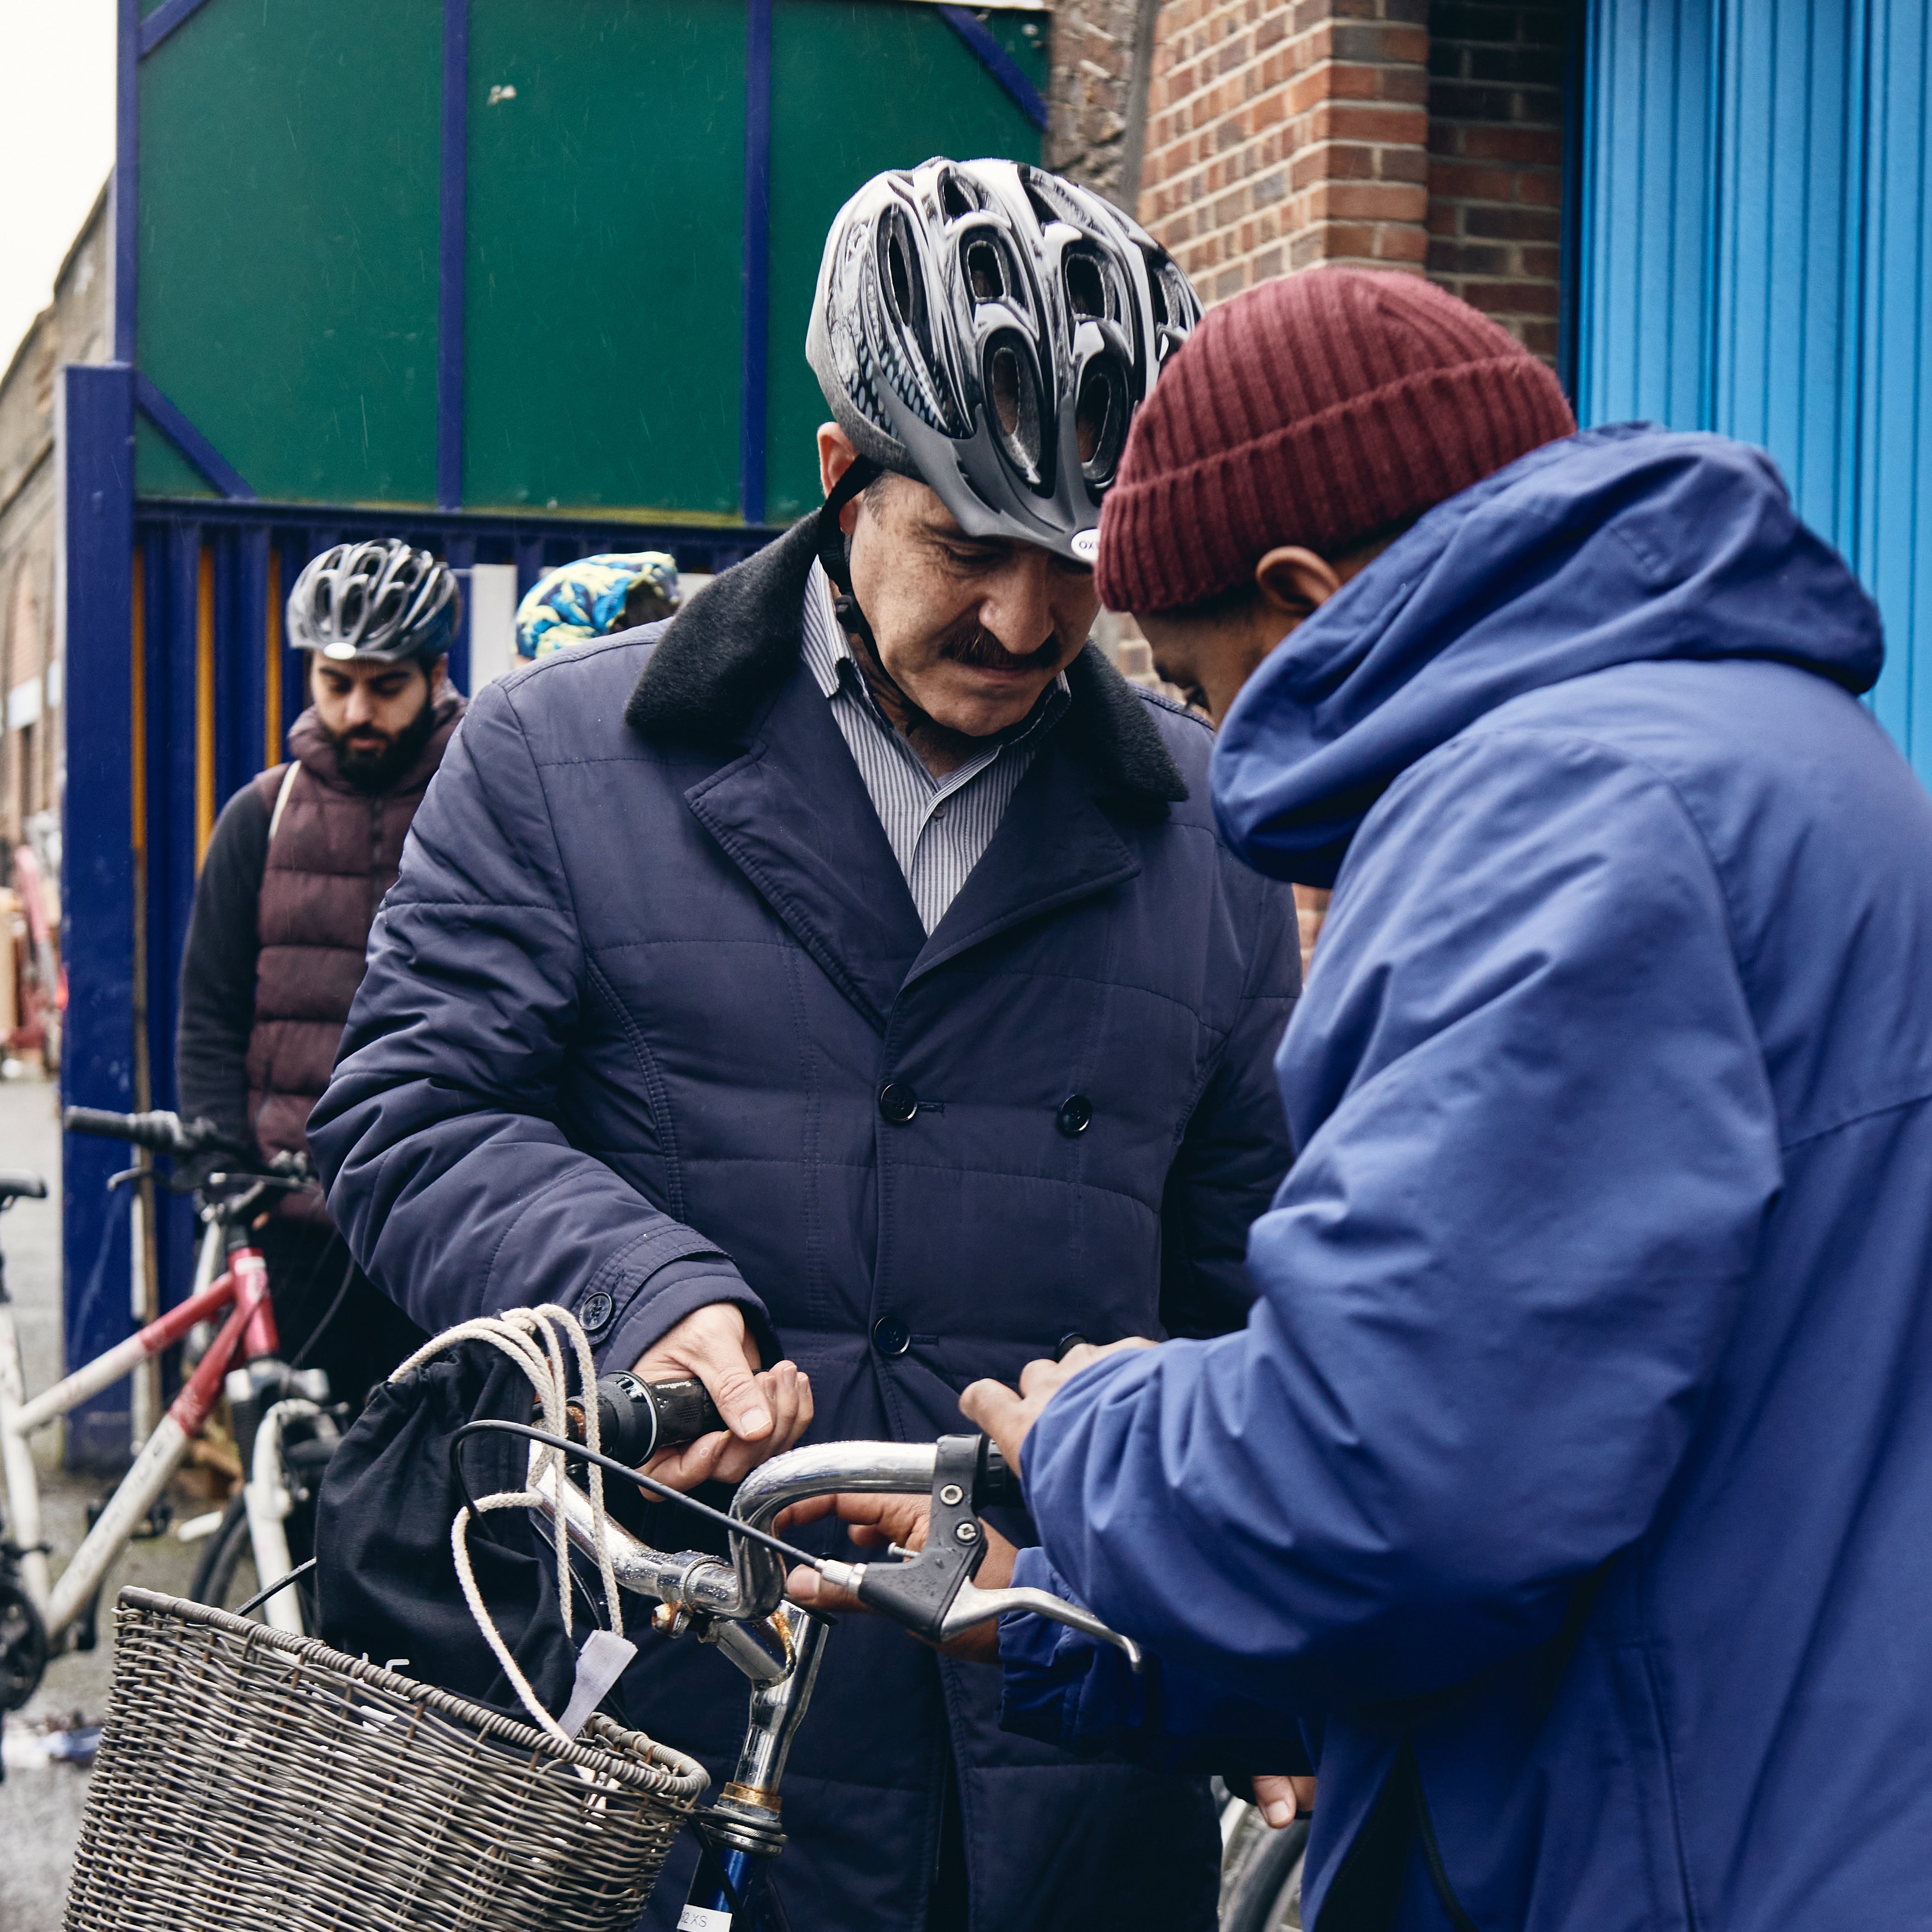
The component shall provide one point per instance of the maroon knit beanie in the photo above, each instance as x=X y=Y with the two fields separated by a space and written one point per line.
x=1313 y=410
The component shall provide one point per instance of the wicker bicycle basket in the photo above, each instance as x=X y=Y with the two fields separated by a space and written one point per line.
x=253 y=1781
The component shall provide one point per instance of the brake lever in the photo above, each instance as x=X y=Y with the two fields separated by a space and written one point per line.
x=973 y=1605
x=933 y=1594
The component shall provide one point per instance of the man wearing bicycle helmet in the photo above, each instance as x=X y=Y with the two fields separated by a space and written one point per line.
x=839 y=991
x=299 y=862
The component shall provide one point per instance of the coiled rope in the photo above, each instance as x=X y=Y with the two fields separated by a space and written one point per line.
x=535 y=1339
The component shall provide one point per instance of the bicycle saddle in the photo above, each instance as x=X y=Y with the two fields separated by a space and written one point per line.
x=17 y=1184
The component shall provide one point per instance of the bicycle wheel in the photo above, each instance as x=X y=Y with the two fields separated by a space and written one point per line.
x=225 y=1574
x=1261 y=1875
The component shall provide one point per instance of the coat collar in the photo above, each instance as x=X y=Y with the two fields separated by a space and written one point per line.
x=720 y=660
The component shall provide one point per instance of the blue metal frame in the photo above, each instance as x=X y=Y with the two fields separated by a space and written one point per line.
x=126 y=177
x=163 y=20
x=997 y=62
x=190 y=441
x=96 y=445
x=453 y=244
x=125 y=928
x=756 y=321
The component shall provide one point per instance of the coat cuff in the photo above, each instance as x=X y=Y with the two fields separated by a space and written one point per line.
x=661 y=1299
x=1069 y=1690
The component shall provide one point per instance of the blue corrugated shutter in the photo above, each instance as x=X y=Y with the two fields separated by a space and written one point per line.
x=1754 y=257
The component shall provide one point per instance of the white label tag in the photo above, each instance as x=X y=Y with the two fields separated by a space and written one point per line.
x=702 y=1919
x=602 y=1661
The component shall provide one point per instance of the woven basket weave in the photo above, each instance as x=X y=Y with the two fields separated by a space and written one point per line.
x=252 y=1781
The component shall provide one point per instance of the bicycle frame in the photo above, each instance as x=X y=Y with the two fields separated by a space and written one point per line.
x=248 y=1331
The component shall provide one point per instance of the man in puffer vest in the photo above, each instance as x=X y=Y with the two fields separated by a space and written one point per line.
x=299 y=863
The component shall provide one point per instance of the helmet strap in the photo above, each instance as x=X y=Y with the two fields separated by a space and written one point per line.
x=834 y=557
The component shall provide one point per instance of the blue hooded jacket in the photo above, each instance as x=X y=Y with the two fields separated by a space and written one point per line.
x=1569 y=1492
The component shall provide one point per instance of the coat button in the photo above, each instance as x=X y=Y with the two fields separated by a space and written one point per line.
x=897 y=1102
x=890 y=1335
x=1075 y=1114
x=596 y=1312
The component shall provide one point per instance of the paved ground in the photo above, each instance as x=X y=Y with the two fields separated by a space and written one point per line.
x=41 y=1802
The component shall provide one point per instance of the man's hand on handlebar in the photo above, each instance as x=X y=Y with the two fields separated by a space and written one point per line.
x=1007 y=1417
x=877 y=1522
x=766 y=1411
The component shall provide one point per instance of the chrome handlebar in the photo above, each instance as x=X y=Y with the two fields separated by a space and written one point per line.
x=735 y=1604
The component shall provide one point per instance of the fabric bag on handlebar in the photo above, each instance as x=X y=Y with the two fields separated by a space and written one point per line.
x=385 y=1574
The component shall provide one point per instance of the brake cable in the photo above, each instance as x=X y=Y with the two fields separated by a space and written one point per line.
x=576 y=1452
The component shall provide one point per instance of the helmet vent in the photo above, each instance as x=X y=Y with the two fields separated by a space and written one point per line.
x=899 y=271
x=954 y=199
x=1100 y=419
x=1015 y=400
x=985 y=274
x=1086 y=292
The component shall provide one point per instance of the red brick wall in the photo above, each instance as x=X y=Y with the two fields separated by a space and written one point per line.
x=1284 y=132
x=1496 y=161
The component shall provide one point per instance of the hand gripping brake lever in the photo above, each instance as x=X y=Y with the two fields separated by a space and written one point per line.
x=933 y=1594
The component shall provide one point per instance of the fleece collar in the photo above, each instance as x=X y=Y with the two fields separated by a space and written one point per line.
x=723 y=656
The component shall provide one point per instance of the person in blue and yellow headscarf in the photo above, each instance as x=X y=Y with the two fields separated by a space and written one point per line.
x=593 y=597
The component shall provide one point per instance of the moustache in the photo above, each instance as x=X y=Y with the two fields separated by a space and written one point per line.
x=978 y=646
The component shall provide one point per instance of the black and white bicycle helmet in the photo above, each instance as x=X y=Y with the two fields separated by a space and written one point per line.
x=989 y=328
x=384 y=601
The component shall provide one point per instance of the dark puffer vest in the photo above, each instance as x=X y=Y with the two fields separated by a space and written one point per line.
x=334 y=851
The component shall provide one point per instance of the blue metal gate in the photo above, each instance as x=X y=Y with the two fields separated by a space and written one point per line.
x=180 y=688
x=1754 y=245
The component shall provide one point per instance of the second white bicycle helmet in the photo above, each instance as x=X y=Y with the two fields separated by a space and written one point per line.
x=989 y=329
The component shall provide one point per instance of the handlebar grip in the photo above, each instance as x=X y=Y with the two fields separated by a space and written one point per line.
x=161 y=1133
x=636 y=1419
x=997 y=1486
x=685 y=1410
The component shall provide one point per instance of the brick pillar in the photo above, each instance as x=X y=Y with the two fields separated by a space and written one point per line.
x=1495 y=175
x=1096 y=96
x=1284 y=132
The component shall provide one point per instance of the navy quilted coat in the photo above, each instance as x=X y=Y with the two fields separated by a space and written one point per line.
x=628 y=1013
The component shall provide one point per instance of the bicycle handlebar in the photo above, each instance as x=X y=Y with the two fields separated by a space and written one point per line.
x=159 y=1132
x=167 y=1133
x=932 y=1595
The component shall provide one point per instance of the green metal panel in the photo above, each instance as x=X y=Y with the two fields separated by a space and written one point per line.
x=857 y=88
x=606 y=237
x=290 y=218
x=288 y=242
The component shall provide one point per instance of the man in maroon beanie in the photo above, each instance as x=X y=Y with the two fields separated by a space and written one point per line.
x=1563 y=1503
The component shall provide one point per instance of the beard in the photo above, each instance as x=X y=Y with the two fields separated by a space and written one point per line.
x=373 y=761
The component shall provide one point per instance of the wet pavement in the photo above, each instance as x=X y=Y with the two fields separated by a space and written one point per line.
x=43 y=1798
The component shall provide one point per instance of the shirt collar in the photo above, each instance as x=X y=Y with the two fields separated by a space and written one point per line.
x=828 y=656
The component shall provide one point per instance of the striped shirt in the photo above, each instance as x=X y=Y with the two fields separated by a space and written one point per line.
x=938 y=827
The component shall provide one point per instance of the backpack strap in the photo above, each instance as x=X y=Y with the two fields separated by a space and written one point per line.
x=274 y=786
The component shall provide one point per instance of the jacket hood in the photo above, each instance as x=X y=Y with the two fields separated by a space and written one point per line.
x=1620 y=545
